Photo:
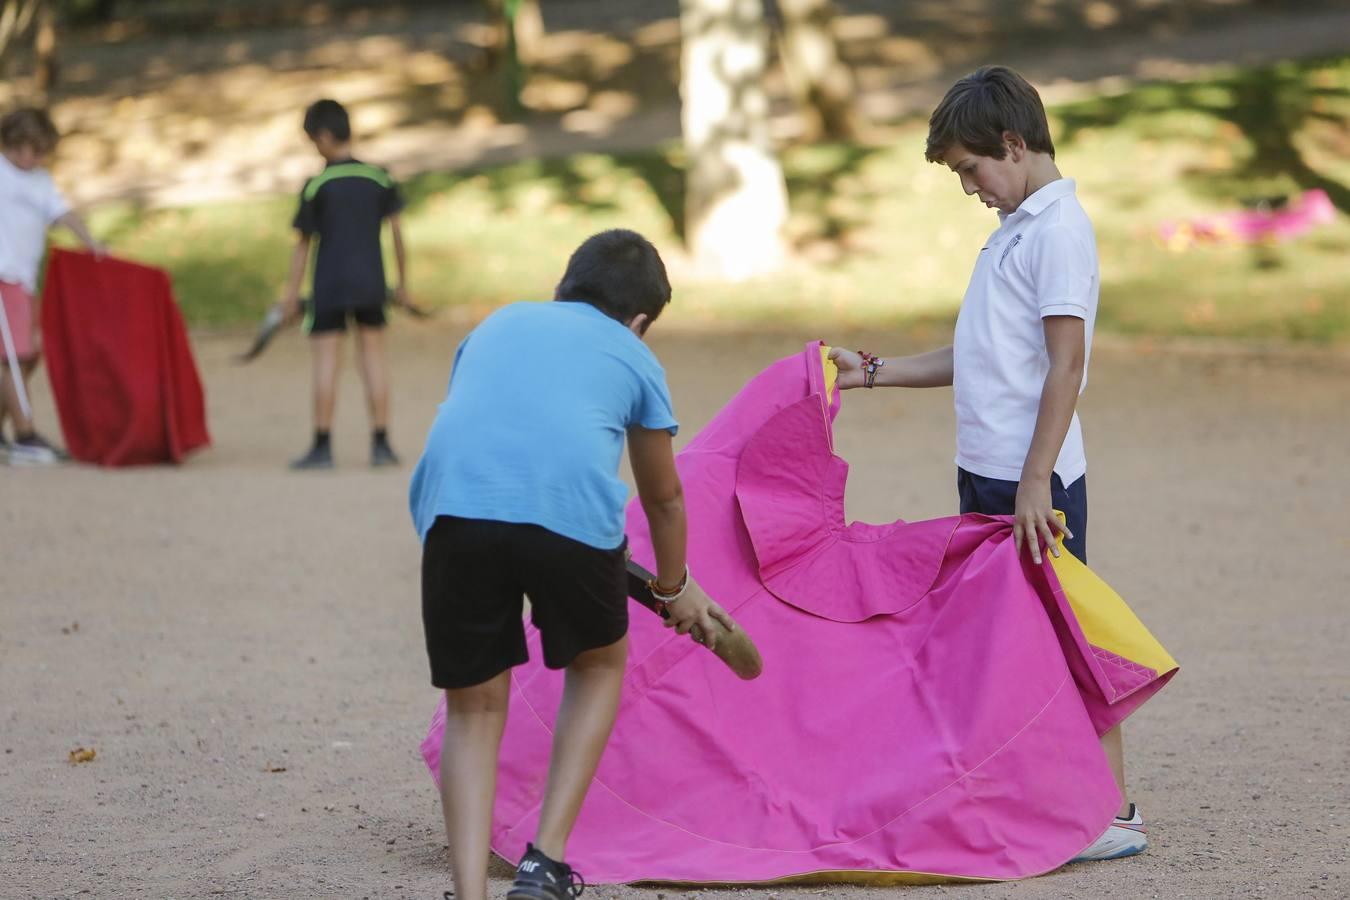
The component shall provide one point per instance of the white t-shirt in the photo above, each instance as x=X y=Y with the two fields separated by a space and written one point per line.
x=29 y=204
x=1042 y=261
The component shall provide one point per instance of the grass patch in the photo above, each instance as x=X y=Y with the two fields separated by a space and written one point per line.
x=881 y=236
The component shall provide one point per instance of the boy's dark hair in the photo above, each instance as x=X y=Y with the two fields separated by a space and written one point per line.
x=979 y=108
x=29 y=126
x=329 y=116
x=618 y=272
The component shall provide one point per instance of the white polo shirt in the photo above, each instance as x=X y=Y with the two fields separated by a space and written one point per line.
x=29 y=204
x=1042 y=261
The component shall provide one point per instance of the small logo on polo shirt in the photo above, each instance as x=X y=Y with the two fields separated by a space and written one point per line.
x=1012 y=242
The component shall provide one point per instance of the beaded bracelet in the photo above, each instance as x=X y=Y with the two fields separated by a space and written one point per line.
x=668 y=597
x=871 y=364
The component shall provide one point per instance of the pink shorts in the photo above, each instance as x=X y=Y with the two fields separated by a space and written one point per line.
x=18 y=305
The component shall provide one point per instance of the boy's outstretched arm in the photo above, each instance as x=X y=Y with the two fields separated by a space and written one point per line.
x=662 y=499
x=75 y=223
x=290 y=301
x=1065 y=343
x=931 y=369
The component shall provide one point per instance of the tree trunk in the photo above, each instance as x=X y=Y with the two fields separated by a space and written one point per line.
x=527 y=26
x=15 y=18
x=518 y=30
x=735 y=196
x=821 y=81
x=44 y=51
x=520 y=21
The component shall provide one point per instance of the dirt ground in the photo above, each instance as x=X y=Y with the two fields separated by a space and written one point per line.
x=242 y=645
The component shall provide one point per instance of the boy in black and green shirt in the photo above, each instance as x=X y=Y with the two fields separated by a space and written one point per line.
x=345 y=207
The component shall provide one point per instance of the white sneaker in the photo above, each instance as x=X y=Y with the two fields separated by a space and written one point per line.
x=1126 y=836
x=32 y=451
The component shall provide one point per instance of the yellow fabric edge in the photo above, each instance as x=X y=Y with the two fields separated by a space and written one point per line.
x=831 y=373
x=1106 y=620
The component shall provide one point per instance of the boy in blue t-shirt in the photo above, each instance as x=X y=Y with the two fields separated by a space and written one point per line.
x=1019 y=357
x=517 y=492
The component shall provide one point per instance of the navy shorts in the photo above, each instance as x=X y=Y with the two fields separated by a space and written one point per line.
x=329 y=319
x=475 y=574
x=995 y=497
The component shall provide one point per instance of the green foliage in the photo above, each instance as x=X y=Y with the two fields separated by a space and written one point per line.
x=881 y=236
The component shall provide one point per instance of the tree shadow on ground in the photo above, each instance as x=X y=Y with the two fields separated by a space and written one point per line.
x=830 y=199
x=1268 y=107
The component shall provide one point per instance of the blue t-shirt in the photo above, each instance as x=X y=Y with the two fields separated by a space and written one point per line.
x=532 y=428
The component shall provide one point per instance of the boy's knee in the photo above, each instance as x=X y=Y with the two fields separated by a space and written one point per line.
x=610 y=656
x=489 y=697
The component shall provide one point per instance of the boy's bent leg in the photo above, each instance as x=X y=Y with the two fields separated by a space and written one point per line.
x=585 y=719
x=474 y=720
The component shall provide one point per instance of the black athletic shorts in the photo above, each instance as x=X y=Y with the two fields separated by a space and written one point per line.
x=326 y=319
x=474 y=575
x=995 y=497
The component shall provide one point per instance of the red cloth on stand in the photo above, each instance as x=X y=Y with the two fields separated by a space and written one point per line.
x=118 y=357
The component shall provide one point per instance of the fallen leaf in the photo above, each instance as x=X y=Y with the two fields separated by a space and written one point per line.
x=271 y=768
x=82 y=755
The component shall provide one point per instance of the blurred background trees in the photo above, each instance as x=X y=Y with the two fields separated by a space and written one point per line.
x=747 y=137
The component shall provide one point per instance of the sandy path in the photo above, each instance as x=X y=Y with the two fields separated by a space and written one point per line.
x=233 y=618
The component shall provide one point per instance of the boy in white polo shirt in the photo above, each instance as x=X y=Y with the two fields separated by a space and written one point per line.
x=1019 y=358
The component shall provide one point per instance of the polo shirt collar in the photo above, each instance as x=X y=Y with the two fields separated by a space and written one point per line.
x=1037 y=202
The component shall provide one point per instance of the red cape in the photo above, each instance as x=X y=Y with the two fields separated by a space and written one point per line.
x=118 y=357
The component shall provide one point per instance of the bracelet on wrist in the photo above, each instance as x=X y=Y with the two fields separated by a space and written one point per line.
x=669 y=596
x=871 y=365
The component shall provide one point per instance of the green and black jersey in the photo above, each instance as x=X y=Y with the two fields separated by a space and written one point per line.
x=345 y=206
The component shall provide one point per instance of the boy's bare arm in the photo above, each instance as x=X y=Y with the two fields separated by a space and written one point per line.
x=400 y=261
x=1065 y=343
x=931 y=369
x=75 y=223
x=662 y=497
x=290 y=301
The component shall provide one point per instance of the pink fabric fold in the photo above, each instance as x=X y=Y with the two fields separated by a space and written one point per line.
x=928 y=703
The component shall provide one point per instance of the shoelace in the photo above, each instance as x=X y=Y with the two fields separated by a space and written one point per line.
x=573 y=887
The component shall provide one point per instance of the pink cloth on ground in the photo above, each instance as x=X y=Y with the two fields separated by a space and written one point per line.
x=928 y=703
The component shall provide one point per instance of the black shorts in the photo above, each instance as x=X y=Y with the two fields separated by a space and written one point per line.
x=474 y=575
x=327 y=319
x=995 y=497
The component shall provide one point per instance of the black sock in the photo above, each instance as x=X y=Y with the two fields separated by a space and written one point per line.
x=379 y=436
x=320 y=440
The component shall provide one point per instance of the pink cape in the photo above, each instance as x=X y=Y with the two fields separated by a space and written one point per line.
x=930 y=704
x=121 y=367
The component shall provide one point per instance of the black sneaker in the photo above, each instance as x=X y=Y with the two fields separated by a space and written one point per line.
x=381 y=454
x=541 y=878
x=317 y=458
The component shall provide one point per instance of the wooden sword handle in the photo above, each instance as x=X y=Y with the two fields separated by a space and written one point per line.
x=735 y=648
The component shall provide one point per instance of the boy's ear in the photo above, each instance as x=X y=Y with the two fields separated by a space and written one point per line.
x=1015 y=146
x=638 y=324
